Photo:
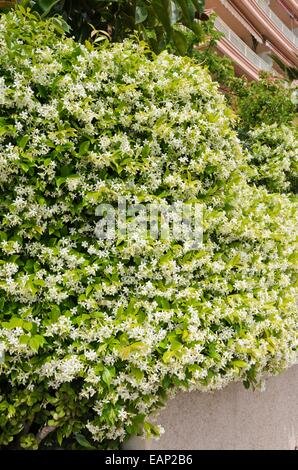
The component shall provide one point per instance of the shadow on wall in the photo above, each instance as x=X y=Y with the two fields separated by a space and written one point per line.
x=233 y=418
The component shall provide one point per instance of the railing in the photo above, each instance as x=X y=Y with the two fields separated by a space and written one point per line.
x=241 y=46
x=281 y=26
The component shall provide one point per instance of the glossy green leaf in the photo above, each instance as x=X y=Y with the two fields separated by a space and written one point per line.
x=162 y=10
x=239 y=364
x=84 y=147
x=141 y=13
x=180 y=41
x=47 y=5
x=83 y=441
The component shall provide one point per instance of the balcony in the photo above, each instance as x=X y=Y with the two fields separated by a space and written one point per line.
x=271 y=27
x=280 y=25
x=247 y=54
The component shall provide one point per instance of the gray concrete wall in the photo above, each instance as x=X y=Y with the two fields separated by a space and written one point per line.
x=233 y=418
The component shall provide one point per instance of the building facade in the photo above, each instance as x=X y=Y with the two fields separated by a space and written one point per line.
x=254 y=30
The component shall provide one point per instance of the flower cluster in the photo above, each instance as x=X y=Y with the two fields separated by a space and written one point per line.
x=97 y=333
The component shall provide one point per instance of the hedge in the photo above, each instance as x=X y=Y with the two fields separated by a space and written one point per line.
x=97 y=333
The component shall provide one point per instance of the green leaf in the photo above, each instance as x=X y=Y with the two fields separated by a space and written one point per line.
x=246 y=384
x=138 y=373
x=24 y=339
x=141 y=13
x=46 y=6
x=36 y=341
x=234 y=261
x=66 y=170
x=59 y=437
x=27 y=325
x=60 y=181
x=82 y=440
x=167 y=356
x=239 y=364
x=60 y=25
x=197 y=28
x=137 y=346
x=24 y=167
x=84 y=147
x=188 y=10
x=151 y=430
x=107 y=376
x=15 y=323
x=161 y=9
x=23 y=141
x=28 y=442
x=211 y=351
x=180 y=41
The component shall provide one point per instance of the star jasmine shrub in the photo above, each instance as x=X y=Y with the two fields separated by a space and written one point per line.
x=273 y=155
x=97 y=332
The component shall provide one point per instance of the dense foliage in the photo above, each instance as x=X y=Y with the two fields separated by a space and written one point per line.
x=266 y=101
x=269 y=100
x=173 y=24
x=97 y=333
x=220 y=67
x=273 y=155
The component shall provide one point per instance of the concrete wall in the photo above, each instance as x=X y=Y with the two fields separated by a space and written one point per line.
x=233 y=418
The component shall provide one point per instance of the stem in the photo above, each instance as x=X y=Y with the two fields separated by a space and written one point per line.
x=42 y=434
